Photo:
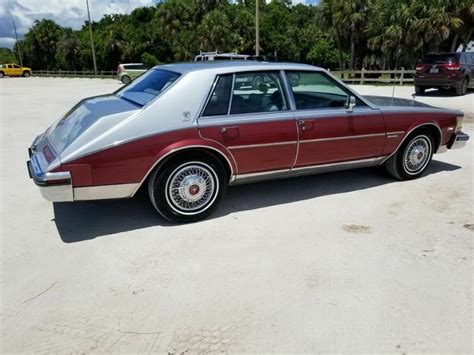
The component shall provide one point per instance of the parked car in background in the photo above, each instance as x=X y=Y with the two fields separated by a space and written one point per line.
x=445 y=71
x=14 y=70
x=128 y=71
x=185 y=132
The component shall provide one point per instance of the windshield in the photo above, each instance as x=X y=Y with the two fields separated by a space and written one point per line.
x=438 y=58
x=148 y=86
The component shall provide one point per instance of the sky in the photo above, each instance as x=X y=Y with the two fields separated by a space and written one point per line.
x=67 y=13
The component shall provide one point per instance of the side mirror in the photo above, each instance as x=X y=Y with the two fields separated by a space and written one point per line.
x=351 y=102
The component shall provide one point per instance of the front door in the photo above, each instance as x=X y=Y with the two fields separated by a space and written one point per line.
x=253 y=121
x=328 y=133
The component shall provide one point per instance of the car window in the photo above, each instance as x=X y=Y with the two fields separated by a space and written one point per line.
x=315 y=90
x=10 y=66
x=148 y=86
x=219 y=102
x=257 y=92
x=438 y=58
x=16 y=66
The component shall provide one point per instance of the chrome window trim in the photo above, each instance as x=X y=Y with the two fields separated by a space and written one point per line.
x=286 y=98
x=243 y=118
x=177 y=150
x=231 y=94
x=207 y=98
x=331 y=112
x=330 y=78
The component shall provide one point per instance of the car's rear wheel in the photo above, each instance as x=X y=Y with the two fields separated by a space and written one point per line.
x=188 y=190
x=125 y=79
x=1 y=74
x=26 y=74
x=419 y=90
x=413 y=157
x=461 y=90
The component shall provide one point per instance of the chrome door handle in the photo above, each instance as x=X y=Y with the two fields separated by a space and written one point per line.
x=301 y=122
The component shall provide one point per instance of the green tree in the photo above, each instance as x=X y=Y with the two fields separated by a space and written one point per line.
x=7 y=56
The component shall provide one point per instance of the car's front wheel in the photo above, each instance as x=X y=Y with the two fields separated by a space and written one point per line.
x=413 y=157
x=26 y=74
x=125 y=79
x=188 y=190
x=419 y=90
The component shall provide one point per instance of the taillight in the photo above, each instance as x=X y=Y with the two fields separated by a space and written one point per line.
x=420 y=67
x=119 y=69
x=48 y=154
x=453 y=66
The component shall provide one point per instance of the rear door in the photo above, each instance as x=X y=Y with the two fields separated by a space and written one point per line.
x=327 y=132
x=254 y=124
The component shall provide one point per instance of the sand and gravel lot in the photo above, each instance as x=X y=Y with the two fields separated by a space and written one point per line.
x=341 y=262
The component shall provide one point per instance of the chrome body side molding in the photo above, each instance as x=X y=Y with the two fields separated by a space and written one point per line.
x=104 y=192
x=307 y=170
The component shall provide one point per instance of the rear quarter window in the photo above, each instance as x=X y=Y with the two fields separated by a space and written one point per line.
x=148 y=86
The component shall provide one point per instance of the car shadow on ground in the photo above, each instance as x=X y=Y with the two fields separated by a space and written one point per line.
x=81 y=221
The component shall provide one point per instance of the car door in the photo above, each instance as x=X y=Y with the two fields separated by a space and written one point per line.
x=255 y=124
x=328 y=132
x=17 y=70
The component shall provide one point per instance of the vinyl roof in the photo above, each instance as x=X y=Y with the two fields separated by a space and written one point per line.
x=234 y=66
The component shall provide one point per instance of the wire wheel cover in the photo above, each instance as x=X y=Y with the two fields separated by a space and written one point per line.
x=191 y=187
x=417 y=154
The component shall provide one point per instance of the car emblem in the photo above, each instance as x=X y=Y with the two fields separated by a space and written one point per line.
x=186 y=115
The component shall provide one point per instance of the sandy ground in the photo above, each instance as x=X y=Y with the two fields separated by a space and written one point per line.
x=346 y=262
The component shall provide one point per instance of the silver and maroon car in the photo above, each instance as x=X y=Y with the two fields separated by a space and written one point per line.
x=187 y=131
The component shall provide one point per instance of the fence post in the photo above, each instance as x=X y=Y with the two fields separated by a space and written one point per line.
x=362 y=76
x=401 y=76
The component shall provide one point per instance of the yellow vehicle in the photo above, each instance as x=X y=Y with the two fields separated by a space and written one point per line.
x=14 y=70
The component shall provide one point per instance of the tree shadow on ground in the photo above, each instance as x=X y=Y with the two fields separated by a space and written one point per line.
x=81 y=221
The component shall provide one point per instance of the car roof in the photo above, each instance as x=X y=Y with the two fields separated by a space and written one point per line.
x=234 y=66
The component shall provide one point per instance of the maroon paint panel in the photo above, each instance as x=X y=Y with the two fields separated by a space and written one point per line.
x=406 y=121
x=130 y=162
x=340 y=149
x=253 y=159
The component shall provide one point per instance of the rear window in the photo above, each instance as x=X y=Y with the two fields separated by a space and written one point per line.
x=144 y=89
x=439 y=59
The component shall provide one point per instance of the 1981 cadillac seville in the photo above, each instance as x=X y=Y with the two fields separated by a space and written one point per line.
x=187 y=131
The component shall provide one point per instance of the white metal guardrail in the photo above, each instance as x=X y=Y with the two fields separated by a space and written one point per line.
x=75 y=73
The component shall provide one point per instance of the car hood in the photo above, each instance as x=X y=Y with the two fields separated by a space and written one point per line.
x=395 y=101
x=389 y=104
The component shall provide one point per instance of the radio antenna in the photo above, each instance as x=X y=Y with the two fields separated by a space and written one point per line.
x=396 y=66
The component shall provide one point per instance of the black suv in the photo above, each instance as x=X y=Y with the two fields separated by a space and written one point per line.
x=445 y=71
